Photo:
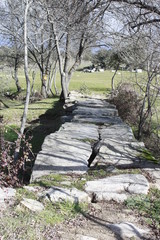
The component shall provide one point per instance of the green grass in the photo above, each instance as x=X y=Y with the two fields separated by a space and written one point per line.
x=24 y=193
x=11 y=133
x=13 y=114
x=95 y=82
x=22 y=224
x=49 y=180
x=148 y=206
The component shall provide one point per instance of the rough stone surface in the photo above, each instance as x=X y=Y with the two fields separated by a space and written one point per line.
x=120 y=153
x=96 y=120
x=128 y=230
x=79 y=131
x=120 y=132
x=56 y=194
x=95 y=103
x=96 y=111
x=118 y=187
x=32 y=205
x=6 y=195
x=61 y=155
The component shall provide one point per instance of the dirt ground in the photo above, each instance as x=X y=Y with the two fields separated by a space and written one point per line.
x=95 y=224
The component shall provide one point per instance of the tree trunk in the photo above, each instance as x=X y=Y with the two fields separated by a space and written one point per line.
x=33 y=81
x=24 y=117
x=16 y=78
x=54 y=81
x=112 y=81
x=64 y=92
x=44 y=86
x=144 y=114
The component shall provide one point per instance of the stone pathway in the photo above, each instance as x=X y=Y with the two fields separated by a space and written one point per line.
x=93 y=130
x=92 y=120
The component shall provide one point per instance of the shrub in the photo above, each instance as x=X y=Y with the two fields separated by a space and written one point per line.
x=127 y=102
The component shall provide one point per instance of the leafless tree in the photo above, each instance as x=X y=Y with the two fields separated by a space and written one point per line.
x=11 y=30
x=41 y=44
x=75 y=26
x=27 y=4
x=146 y=12
x=139 y=43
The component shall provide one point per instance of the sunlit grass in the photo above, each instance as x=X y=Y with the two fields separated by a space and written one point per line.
x=13 y=114
x=97 y=82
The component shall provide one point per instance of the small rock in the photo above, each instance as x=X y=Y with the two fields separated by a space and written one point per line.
x=81 y=237
x=128 y=230
x=32 y=205
x=74 y=195
x=6 y=195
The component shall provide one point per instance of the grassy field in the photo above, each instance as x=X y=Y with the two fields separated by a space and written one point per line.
x=97 y=82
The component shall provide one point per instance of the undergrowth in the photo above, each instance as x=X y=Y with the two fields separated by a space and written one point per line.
x=13 y=173
x=148 y=206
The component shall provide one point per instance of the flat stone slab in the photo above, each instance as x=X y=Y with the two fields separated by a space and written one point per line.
x=61 y=155
x=78 y=131
x=56 y=194
x=129 y=230
x=120 y=132
x=96 y=120
x=120 y=153
x=96 y=111
x=31 y=204
x=118 y=187
x=94 y=103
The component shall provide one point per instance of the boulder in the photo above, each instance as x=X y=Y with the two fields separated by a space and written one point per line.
x=117 y=187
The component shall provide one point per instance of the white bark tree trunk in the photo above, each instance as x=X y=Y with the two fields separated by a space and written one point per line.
x=24 y=117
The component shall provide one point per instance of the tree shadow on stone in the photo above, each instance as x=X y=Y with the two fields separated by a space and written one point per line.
x=46 y=124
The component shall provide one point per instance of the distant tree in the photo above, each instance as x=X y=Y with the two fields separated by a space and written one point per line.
x=108 y=59
x=102 y=58
x=10 y=31
x=75 y=26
